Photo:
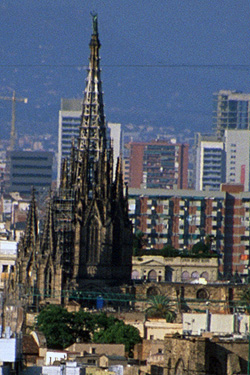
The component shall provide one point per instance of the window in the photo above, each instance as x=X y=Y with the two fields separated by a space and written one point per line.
x=205 y=275
x=5 y=268
x=185 y=276
x=202 y=294
x=93 y=350
x=152 y=276
x=195 y=275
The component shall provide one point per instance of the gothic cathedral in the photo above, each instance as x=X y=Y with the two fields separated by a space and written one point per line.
x=86 y=236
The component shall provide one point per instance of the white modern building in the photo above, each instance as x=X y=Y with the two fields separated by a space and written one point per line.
x=10 y=354
x=115 y=134
x=237 y=147
x=68 y=129
x=209 y=162
x=8 y=253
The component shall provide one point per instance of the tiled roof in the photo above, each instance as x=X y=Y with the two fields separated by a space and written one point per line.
x=29 y=345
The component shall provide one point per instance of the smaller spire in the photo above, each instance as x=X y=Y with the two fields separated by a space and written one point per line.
x=119 y=180
x=31 y=231
x=48 y=240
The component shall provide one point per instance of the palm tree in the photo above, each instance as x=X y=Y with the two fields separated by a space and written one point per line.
x=160 y=307
x=245 y=299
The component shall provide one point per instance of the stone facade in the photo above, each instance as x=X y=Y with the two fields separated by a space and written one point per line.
x=175 y=269
x=189 y=297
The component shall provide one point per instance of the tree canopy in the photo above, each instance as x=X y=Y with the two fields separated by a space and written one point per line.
x=55 y=322
x=62 y=328
x=119 y=333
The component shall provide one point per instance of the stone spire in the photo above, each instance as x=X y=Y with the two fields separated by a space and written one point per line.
x=119 y=181
x=48 y=237
x=92 y=136
x=31 y=231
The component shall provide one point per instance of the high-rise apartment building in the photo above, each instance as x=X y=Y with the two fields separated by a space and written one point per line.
x=182 y=218
x=69 y=124
x=231 y=111
x=115 y=134
x=237 y=147
x=30 y=169
x=158 y=164
x=209 y=162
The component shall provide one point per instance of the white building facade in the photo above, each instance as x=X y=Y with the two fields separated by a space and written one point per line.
x=237 y=147
x=68 y=128
x=209 y=163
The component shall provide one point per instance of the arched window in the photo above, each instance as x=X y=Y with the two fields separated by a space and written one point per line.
x=185 y=276
x=205 y=275
x=152 y=292
x=48 y=283
x=195 y=275
x=135 y=275
x=152 y=276
x=93 y=241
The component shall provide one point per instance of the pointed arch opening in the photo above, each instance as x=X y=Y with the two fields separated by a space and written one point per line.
x=48 y=283
x=93 y=240
x=116 y=254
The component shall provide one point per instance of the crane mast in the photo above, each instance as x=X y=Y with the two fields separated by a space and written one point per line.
x=13 y=99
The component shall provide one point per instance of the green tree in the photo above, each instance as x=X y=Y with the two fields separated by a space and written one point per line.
x=55 y=322
x=139 y=242
x=160 y=307
x=169 y=251
x=83 y=326
x=62 y=328
x=119 y=333
x=200 y=248
x=102 y=321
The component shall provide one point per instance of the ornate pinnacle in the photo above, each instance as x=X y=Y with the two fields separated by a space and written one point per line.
x=94 y=23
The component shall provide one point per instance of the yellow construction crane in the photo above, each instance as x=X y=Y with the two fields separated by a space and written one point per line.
x=14 y=99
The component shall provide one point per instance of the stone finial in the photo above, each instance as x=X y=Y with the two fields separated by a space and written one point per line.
x=94 y=23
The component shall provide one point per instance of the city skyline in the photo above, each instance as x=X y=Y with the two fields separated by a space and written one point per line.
x=163 y=62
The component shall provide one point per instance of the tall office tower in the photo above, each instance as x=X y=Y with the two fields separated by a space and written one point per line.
x=68 y=129
x=158 y=164
x=115 y=134
x=30 y=169
x=86 y=240
x=237 y=146
x=231 y=111
x=209 y=162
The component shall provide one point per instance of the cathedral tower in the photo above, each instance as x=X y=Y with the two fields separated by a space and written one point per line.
x=86 y=241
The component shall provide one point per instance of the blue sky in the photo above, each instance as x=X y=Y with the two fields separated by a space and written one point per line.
x=161 y=60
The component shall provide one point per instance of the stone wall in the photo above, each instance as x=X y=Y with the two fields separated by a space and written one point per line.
x=192 y=297
x=200 y=355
